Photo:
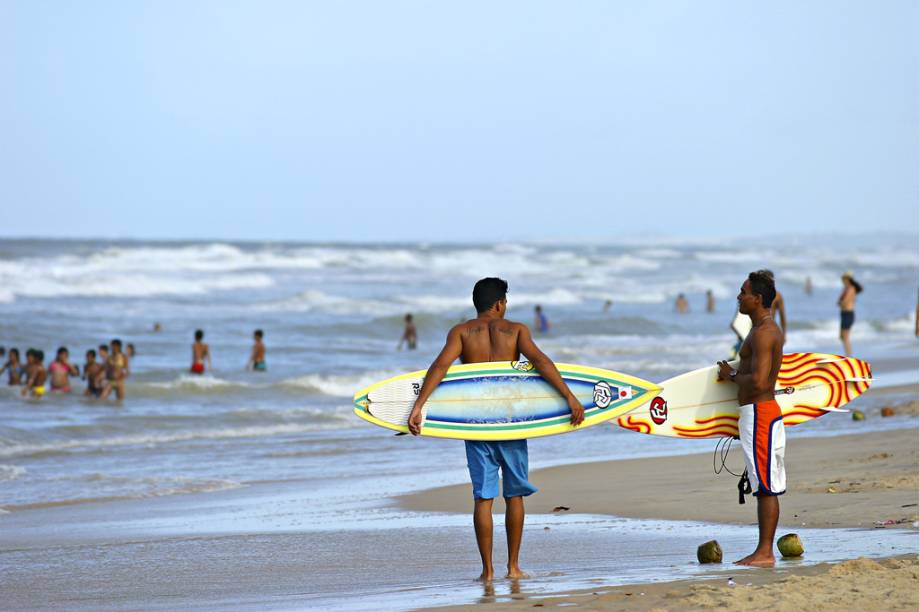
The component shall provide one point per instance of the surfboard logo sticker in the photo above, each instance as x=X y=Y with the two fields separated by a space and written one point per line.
x=603 y=394
x=522 y=366
x=787 y=390
x=658 y=410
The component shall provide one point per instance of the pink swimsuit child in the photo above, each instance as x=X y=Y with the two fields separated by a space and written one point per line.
x=55 y=367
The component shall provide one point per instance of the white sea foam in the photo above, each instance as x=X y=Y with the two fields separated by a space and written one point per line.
x=15 y=449
x=11 y=472
x=191 y=382
x=338 y=385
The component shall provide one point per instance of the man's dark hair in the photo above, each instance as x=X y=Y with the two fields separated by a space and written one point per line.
x=30 y=352
x=91 y=353
x=103 y=348
x=16 y=351
x=40 y=355
x=116 y=342
x=62 y=349
x=199 y=334
x=258 y=333
x=761 y=284
x=488 y=291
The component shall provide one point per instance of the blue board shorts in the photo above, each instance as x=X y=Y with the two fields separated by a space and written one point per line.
x=484 y=459
x=846 y=319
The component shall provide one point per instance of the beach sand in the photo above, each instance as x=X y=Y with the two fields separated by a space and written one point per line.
x=845 y=481
x=858 y=584
x=866 y=480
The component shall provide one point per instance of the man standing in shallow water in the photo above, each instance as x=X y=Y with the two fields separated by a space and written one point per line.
x=489 y=337
x=762 y=431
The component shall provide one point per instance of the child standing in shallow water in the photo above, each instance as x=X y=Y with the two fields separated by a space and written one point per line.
x=15 y=368
x=61 y=370
x=35 y=386
x=94 y=374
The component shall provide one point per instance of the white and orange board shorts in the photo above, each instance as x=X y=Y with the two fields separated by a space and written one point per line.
x=762 y=437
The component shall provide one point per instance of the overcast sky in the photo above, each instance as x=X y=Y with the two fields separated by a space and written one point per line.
x=387 y=120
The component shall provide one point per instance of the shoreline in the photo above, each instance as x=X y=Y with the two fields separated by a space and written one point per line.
x=852 y=584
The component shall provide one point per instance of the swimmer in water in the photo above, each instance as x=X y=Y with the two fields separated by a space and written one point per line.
x=257 y=359
x=61 y=370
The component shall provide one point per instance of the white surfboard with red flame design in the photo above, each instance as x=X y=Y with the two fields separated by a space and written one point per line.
x=697 y=405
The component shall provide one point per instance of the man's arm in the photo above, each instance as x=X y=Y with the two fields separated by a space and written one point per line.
x=453 y=348
x=756 y=381
x=549 y=372
x=782 y=315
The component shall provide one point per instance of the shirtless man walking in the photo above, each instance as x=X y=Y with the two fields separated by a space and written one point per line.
x=489 y=337
x=762 y=432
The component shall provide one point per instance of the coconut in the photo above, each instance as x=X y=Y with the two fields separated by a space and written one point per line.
x=710 y=552
x=790 y=545
x=858 y=415
x=887 y=411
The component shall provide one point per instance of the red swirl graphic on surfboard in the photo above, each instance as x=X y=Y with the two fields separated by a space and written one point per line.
x=807 y=385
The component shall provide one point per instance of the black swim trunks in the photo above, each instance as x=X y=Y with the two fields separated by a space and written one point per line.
x=846 y=319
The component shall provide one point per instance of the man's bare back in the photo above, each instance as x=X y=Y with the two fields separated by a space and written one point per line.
x=489 y=340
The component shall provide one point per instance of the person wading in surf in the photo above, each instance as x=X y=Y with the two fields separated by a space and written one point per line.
x=490 y=337
x=762 y=432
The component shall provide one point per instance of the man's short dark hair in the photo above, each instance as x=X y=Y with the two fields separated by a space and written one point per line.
x=62 y=349
x=103 y=347
x=91 y=353
x=488 y=291
x=258 y=333
x=761 y=284
x=199 y=334
x=116 y=342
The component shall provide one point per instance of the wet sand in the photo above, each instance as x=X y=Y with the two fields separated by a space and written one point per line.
x=850 y=585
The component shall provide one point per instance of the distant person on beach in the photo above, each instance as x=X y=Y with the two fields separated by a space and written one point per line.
x=15 y=367
x=61 y=370
x=709 y=301
x=94 y=375
x=257 y=358
x=409 y=335
x=846 y=302
x=607 y=305
x=117 y=368
x=778 y=304
x=130 y=350
x=199 y=353
x=490 y=337
x=157 y=328
x=917 y=322
x=682 y=304
x=541 y=321
x=38 y=375
x=808 y=286
x=762 y=432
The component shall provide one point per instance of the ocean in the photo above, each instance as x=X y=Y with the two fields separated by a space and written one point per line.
x=332 y=316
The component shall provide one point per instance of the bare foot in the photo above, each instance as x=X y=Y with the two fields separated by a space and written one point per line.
x=516 y=573
x=487 y=576
x=757 y=560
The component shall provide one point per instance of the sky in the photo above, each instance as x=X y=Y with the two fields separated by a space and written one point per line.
x=457 y=121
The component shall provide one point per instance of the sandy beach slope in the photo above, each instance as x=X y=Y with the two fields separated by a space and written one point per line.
x=846 y=481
